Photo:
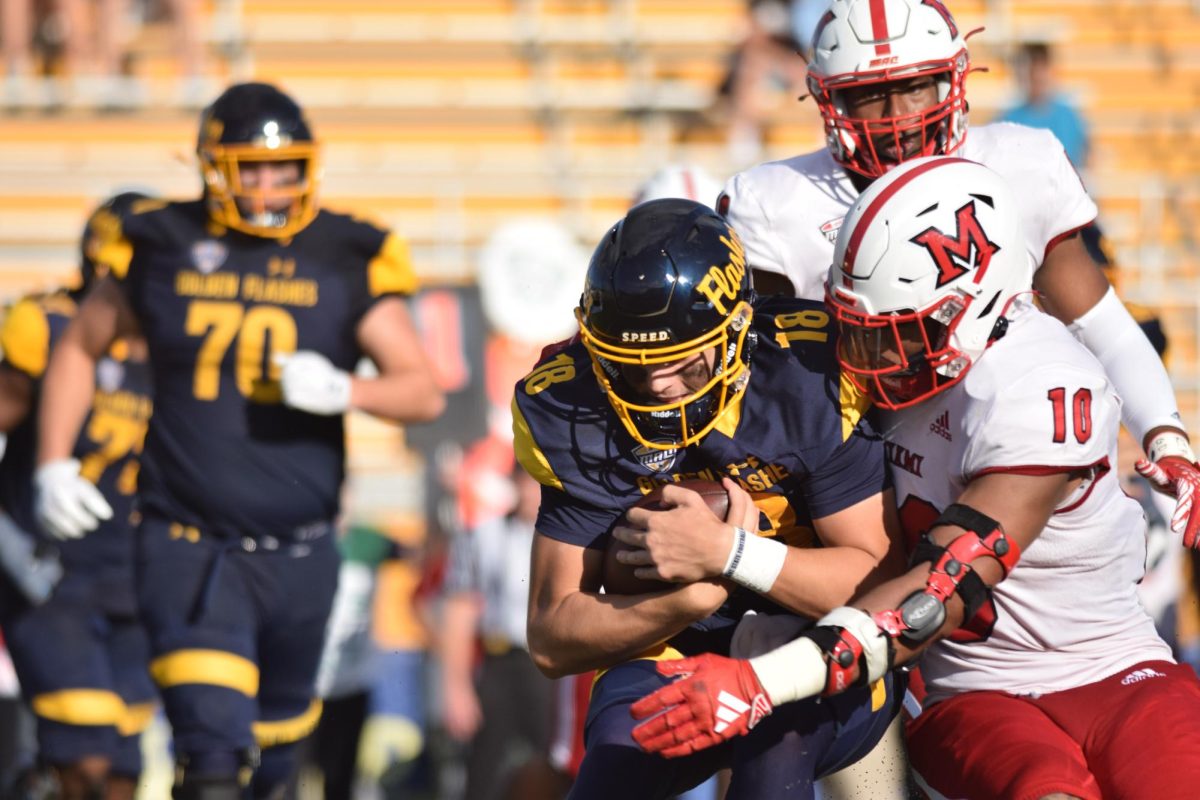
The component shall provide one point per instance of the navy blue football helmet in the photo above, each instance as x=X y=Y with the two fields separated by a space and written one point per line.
x=256 y=122
x=667 y=282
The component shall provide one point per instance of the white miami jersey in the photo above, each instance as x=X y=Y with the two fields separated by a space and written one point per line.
x=788 y=212
x=1037 y=402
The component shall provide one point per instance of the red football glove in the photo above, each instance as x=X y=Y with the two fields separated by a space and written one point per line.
x=1179 y=478
x=716 y=699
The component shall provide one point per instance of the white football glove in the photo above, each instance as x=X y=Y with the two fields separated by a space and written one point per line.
x=311 y=383
x=67 y=504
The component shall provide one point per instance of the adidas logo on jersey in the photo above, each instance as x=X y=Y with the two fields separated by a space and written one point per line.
x=1139 y=675
x=730 y=707
x=941 y=425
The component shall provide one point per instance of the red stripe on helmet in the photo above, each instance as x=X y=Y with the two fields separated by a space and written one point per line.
x=879 y=28
x=865 y=221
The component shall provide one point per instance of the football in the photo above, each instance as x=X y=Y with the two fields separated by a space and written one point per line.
x=618 y=577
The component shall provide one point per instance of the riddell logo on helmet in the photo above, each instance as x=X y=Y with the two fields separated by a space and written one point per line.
x=883 y=62
x=723 y=283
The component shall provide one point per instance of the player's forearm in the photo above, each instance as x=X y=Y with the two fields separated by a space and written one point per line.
x=892 y=594
x=67 y=391
x=586 y=631
x=814 y=581
x=799 y=669
x=410 y=396
x=1129 y=360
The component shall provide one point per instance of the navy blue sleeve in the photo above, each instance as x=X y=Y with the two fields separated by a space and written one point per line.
x=565 y=519
x=850 y=474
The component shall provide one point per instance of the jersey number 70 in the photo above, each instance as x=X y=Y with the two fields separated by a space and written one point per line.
x=220 y=322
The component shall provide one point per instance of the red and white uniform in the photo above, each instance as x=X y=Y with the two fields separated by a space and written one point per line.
x=1036 y=402
x=788 y=212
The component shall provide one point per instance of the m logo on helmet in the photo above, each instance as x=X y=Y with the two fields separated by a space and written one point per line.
x=721 y=284
x=957 y=255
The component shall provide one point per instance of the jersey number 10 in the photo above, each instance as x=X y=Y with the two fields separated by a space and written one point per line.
x=1081 y=416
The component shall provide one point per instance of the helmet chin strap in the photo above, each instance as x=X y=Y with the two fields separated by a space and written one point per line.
x=998 y=330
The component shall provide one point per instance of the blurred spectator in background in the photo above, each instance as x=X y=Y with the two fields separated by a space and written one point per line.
x=1045 y=107
x=94 y=38
x=16 y=40
x=187 y=21
x=348 y=664
x=766 y=62
x=395 y=753
x=85 y=49
x=499 y=701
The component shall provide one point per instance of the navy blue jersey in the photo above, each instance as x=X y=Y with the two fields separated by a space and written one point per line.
x=108 y=444
x=796 y=441
x=222 y=453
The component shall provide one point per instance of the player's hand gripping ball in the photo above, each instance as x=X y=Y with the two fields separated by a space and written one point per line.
x=619 y=578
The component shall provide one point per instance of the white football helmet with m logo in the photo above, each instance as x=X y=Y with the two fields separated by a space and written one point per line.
x=925 y=267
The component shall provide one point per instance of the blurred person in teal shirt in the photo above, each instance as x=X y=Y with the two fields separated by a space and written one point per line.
x=1045 y=107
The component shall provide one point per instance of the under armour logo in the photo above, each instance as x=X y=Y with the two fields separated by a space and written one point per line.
x=957 y=255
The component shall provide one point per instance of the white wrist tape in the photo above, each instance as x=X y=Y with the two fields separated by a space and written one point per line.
x=1129 y=360
x=792 y=672
x=1169 y=443
x=754 y=561
x=860 y=625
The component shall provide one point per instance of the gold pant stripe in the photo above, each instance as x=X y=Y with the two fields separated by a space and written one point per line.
x=286 y=731
x=208 y=667
x=80 y=707
x=878 y=694
x=136 y=718
x=660 y=652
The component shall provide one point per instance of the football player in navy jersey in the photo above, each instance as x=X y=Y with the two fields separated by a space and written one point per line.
x=680 y=373
x=77 y=645
x=256 y=307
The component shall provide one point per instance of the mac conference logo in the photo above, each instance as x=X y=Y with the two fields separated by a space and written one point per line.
x=655 y=460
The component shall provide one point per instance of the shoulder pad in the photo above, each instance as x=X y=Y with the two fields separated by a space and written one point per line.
x=25 y=336
x=390 y=271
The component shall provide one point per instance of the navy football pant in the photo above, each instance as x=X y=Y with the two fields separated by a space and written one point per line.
x=83 y=671
x=236 y=631
x=780 y=758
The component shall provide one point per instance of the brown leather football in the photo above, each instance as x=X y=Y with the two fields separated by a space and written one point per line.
x=618 y=577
